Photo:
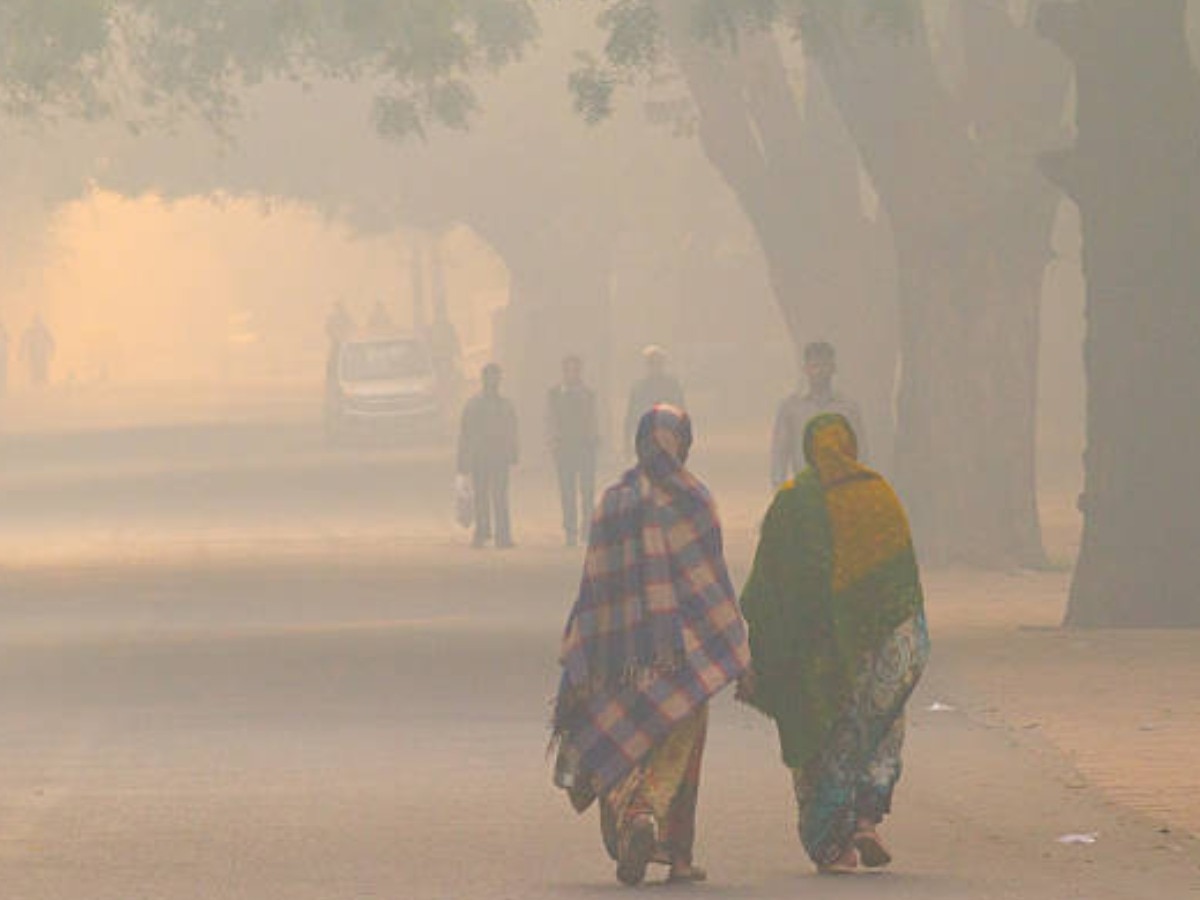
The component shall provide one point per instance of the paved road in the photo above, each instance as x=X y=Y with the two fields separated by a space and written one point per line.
x=356 y=718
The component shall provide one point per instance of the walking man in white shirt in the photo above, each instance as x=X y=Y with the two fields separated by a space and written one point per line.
x=800 y=407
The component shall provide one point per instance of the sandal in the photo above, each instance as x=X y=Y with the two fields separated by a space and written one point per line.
x=687 y=875
x=637 y=849
x=871 y=850
x=840 y=866
x=837 y=869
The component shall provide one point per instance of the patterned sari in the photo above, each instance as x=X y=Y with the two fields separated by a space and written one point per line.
x=838 y=636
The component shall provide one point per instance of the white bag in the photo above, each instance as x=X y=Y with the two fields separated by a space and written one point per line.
x=464 y=502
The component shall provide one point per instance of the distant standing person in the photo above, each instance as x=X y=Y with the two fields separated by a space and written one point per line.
x=656 y=387
x=487 y=450
x=801 y=407
x=37 y=349
x=4 y=341
x=572 y=426
x=839 y=641
x=339 y=325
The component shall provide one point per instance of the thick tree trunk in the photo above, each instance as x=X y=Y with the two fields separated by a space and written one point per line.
x=796 y=175
x=1135 y=174
x=1013 y=358
x=968 y=306
x=845 y=289
x=964 y=453
x=1015 y=87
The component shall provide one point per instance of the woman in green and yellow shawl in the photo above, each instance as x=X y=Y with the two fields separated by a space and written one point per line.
x=838 y=639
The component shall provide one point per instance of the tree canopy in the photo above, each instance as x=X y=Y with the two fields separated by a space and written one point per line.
x=637 y=42
x=147 y=61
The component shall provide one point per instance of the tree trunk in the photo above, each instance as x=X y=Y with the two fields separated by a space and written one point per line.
x=1013 y=359
x=558 y=242
x=560 y=288
x=965 y=442
x=796 y=176
x=1015 y=88
x=1135 y=173
x=964 y=452
x=557 y=314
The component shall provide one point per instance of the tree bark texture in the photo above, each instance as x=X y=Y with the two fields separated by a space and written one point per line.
x=1135 y=173
x=795 y=173
x=971 y=224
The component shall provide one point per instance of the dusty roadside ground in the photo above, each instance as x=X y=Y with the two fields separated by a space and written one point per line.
x=1123 y=707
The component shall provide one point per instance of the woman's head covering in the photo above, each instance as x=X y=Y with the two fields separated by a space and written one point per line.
x=664 y=440
x=831 y=449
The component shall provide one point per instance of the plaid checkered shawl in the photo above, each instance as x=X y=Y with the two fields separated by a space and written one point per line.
x=656 y=630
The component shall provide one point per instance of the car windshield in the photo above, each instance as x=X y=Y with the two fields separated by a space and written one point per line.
x=384 y=361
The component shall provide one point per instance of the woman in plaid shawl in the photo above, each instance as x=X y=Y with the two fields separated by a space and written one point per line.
x=837 y=628
x=654 y=633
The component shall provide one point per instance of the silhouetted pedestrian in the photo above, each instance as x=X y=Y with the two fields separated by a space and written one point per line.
x=339 y=325
x=487 y=450
x=4 y=345
x=657 y=386
x=37 y=349
x=573 y=433
x=802 y=406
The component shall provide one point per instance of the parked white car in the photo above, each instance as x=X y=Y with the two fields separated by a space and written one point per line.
x=384 y=385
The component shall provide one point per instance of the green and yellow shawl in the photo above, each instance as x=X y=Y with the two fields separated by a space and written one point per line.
x=834 y=575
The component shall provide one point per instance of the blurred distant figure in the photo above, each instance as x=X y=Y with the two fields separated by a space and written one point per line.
x=572 y=427
x=487 y=450
x=656 y=387
x=381 y=319
x=37 y=349
x=339 y=325
x=4 y=342
x=802 y=406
